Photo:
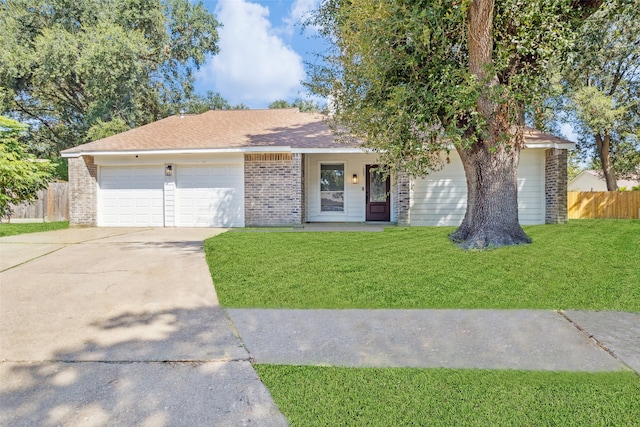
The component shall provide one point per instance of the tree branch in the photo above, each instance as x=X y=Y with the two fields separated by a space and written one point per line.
x=34 y=116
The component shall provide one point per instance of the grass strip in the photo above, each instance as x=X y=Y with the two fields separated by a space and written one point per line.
x=13 y=229
x=331 y=396
x=585 y=264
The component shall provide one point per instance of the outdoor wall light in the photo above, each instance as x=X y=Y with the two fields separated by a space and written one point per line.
x=168 y=171
x=354 y=178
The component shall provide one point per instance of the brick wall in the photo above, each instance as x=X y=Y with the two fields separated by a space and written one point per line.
x=274 y=189
x=555 y=186
x=83 y=191
x=402 y=198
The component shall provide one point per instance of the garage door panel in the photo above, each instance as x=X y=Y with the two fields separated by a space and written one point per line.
x=210 y=196
x=124 y=202
x=131 y=196
x=235 y=172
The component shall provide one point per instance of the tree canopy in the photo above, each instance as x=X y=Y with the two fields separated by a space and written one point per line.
x=399 y=73
x=304 y=105
x=412 y=79
x=69 y=65
x=21 y=174
x=601 y=81
x=197 y=104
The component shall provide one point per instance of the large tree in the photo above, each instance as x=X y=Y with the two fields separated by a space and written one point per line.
x=68 y=65
x=414 y=78
x=602 y=84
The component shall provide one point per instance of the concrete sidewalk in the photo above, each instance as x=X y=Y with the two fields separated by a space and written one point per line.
x=486 y=339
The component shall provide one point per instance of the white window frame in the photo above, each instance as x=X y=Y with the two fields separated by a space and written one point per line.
x=344 y=188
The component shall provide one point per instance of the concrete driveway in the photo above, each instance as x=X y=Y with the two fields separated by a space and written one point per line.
x=104 y=326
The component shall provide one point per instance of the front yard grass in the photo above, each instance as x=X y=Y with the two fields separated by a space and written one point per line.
x=328 y=396
x=13 y=229
x=585 y=264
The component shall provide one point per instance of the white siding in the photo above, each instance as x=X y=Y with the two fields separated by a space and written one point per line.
x=587 y=182
x=441 y=197
x=531 y=199
x=131 y=197
x=354 y=197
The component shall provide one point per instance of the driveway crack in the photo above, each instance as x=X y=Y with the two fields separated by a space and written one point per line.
x=34 y=258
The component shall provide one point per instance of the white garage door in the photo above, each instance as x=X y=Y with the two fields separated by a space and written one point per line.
x=131 y=197
x=210 y=196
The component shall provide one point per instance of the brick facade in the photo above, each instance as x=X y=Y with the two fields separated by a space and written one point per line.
x=83 y=191
x=402 y=198
x=555 y=186
x=274 y=189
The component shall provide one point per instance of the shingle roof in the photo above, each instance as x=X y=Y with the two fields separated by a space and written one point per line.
x=219 y=129
x=222 y=129
x=533 y=137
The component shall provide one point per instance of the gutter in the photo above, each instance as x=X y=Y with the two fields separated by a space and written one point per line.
x=266 y=149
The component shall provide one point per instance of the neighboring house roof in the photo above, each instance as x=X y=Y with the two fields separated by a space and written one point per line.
x=592 y=180
x=244 y=130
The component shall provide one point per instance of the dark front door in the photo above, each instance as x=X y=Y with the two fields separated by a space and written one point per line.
x=378 y=196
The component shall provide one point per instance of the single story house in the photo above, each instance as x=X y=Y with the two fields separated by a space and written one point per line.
x=592 y=180
x=275 y=168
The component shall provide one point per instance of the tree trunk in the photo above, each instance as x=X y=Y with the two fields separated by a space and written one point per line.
x=491 y=163
x=603 y=145
x=491 y=218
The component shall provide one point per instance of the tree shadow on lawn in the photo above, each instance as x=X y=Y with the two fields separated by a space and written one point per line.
x=170 y=367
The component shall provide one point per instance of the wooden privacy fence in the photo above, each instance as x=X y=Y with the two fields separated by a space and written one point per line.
x=604 y=204
x=52 y=204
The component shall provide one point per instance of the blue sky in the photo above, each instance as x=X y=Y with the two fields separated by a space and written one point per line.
x=262 y=51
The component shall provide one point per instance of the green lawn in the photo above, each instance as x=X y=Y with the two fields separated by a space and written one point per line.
x=585 y=264
x=324 y=396
x=22 y=228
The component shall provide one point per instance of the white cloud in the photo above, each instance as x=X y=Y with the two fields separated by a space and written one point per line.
x=254 y=65
x=300 y=12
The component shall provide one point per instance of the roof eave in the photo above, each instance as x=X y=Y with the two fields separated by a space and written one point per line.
x=332 y=150
x=282 y=149
x=261 y=149
x=556 y=145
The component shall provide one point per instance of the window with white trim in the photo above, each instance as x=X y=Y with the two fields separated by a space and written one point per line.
x=332 y=187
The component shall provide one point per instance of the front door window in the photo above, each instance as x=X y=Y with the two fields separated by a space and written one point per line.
x=332 y=187
x=377 y=187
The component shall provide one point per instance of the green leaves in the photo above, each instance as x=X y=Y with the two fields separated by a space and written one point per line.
x=69 y=64
x=597 y=110
x=399 y=75
x=395 y=77
x=193 y=32
x=303 y=105
x=601 y=80
x=21 y=174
